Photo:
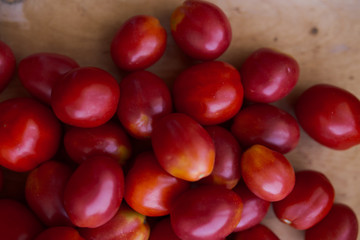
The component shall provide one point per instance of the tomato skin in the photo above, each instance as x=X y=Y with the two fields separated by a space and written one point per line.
x=210 y=92
x=258 y=232
x=308 y=203
x=7 y=65
x=163 y=231
x=266 y=125
x=144 y=99
x=59 y=233
x=330 y=115
x=139 y=43
x=206 y=212
x=149 y=189
x=39 y=72
x=339 y=224
x=267 y=173
x=85 y=97
x=94 y=192
x=29 y=134
x=183 y=147
x=198 y=40
x=268 y=75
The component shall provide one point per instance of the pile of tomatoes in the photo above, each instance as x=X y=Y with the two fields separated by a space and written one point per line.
x=136 y=160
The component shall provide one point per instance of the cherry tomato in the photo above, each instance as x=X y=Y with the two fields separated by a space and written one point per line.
x=149 y=189
x=59 y=233
x=266 y=125
x=226 y=170
x=7 y=65
x=206 y=212
x=126 y=224
x=267 y=173
x=210 y=92
x=163 y=231
x=29 y=134
x=139 y=43
x=201 y=29
x=17 y=221
x=308 y=203
x=144 y=99
x=330 y=115
x=339 y=224
x=85 y=97
x=183 y=147
x=258 y=232
x=44 y=191
x=108 y=139
x=94 y=192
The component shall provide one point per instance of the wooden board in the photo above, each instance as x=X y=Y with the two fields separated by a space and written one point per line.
x=323 y=35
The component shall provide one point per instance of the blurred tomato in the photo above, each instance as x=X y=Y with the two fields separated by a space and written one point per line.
x=163 y=231
x=258 y=232
x=59 y=233
x=7 y=65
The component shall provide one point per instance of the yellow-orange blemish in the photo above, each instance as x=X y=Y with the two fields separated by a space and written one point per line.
x=176 y=18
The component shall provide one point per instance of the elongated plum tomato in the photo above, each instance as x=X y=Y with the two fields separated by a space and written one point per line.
x=149 y=189
x=144 y=99
x=206 y=212
x=308 y=203
x=7 y=65
x=201 y=29
x=139 y=43
x=209 y=92
x=330 y=115
x=59 y=233
x=94 y=192
x=163 y=231
x=29 y=134
x=258 y=232
x=85 y=97
x=126 y=224
x=267 y=173
x=339 y=224
x=39 y=72
x=266 y=125
x=268 y=75
x=183 y=147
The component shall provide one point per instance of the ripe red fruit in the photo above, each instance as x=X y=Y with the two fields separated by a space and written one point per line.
x=7 y=65
x=258 y=232
x=59 y=233
x=163 y=231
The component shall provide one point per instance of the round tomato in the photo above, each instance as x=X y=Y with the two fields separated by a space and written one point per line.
x=59 y=233
x=7 y=65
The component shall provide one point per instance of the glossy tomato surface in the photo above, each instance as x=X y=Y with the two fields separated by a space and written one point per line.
x=266 y=125
x=163 y=231
x=144 y=99
x=183 y=147
x=59 y=233
x=201 y=29
x=308 y=203
x=29 y=134
x=85 y=97
x=94 y=192
x=7 y=65
x=210 y=92
x=267 y=173
x=268 y=75
x=258 y=232
x=139 y=43
x=206 y=212
x=39 y=72
x=330 y=115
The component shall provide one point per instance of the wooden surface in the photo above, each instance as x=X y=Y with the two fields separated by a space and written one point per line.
x=323 y=35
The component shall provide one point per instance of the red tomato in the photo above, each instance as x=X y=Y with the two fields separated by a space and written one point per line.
x=144 y=99
x=44 y=192
x=210 y=92
x=29 y=134
x=126 y=224
x=17 y=221
x=266 y=125
x=226 y=170
x=59 y=233
x=39 y=72
x=308 y=203
x=108 y=139
x=254 y=208
x=258 y=232
x=330 y=115
x=149 y=189
x=85 y=97
x=94 y=192
x=339 y=224
x=139 y=43
x=7 y=65
x=268 y=75
x=163 y=231
x=267 y=173
x=206 y=212
x=201 y=29
x=13 y=186
x=183 y=147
